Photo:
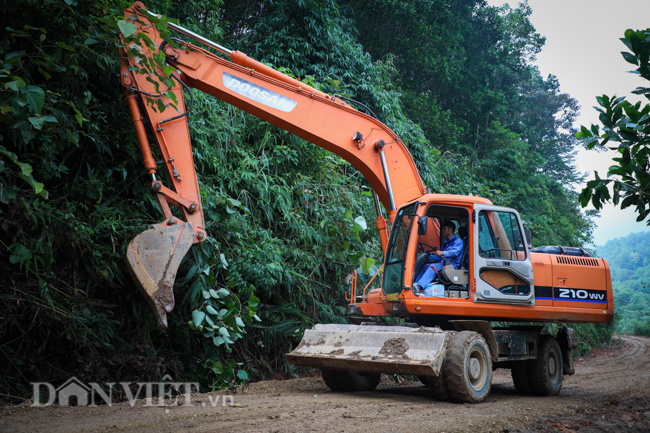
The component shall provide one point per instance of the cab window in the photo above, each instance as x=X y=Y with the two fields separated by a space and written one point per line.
x=500 y=236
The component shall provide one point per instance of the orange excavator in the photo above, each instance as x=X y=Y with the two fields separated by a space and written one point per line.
x=445 y=337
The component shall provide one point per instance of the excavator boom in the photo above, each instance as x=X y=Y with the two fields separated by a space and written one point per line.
x=331 y=123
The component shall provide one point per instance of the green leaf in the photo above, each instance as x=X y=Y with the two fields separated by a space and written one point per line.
x=25 y=168
x=253 y=301
x=242 y=374
x=366 y=264
x=584 y=197
x=127 y=28
x=14 y=55
x=197 y=317
x=65 y=46
x=214 y=294
x=239 y=321
x=224 y=262
x=222 y=293
x=37 y=122
x=108 y=22
x=630 y=58
x=211 y=310
x=361 y=221
x=6 y=194
x=20 y=254
x=223 y=331
x=45 y=74
x=35 y=97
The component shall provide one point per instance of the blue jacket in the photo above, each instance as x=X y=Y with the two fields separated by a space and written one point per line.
x=453 y=251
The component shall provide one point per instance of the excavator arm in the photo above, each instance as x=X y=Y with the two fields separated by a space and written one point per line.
x=370 y=146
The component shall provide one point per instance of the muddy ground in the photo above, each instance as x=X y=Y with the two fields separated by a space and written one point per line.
x=609 y=392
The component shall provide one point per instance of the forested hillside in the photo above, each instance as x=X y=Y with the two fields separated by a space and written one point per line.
x=629 y=261
x=287 y=220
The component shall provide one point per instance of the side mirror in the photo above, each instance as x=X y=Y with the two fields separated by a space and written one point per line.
x=422 y=226
x=529 y=238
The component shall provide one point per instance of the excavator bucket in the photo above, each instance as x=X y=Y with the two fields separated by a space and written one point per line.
x=153 y=258
x=379 y=349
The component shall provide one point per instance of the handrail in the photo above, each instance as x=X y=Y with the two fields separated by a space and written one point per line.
x=381 y=269
x=352 y=299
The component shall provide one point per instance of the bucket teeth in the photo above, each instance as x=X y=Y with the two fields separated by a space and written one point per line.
x=152 y=259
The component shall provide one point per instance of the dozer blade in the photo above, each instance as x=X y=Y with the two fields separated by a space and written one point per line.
x=379 y=349
x=153 y=258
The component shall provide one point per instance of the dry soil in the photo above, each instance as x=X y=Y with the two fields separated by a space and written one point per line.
x=609 y=392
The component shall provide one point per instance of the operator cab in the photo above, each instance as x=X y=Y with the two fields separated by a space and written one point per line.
x=452 y=281
x=453 y=278
x=494 y=251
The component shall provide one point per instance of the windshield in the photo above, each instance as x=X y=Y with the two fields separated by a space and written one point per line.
x=394 y=263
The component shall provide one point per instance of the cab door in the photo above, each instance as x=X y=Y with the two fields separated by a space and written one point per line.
x=502 y=267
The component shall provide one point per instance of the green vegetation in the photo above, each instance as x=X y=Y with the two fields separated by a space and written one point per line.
x=287 y=221
x=626 y=128
x=629 y=261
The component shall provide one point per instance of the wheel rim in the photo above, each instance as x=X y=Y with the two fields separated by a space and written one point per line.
x=553 y=364
x=477 y=369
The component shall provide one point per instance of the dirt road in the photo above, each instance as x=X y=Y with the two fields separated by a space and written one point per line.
x=609 y=392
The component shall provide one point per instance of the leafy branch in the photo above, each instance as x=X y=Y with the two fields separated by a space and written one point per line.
x=626 y=128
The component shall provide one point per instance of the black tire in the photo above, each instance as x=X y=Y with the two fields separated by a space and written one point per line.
x=521 y=377
x=438 y=387
x=546 y=370
x=468 y=368
x=423 y=380
x=357 y=380
x=330 y=379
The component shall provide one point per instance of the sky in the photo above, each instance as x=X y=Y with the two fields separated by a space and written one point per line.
x=583 y=51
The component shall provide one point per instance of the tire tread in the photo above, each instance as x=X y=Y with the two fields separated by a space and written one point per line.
x=331 y=380
x=438 y=387
x=353 y=381
x=521 y=378
x=538 y=372
x=454 y=368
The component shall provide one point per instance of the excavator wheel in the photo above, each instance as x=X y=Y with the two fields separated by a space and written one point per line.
x=330 y=379
x=521 y=377
x=468 y=368
x=546 y=370
x=438 y=387
x=357 y=380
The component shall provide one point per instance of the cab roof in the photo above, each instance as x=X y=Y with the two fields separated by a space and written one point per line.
x=454 y=199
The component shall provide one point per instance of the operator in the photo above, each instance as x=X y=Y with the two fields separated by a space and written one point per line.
x=452 y=250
